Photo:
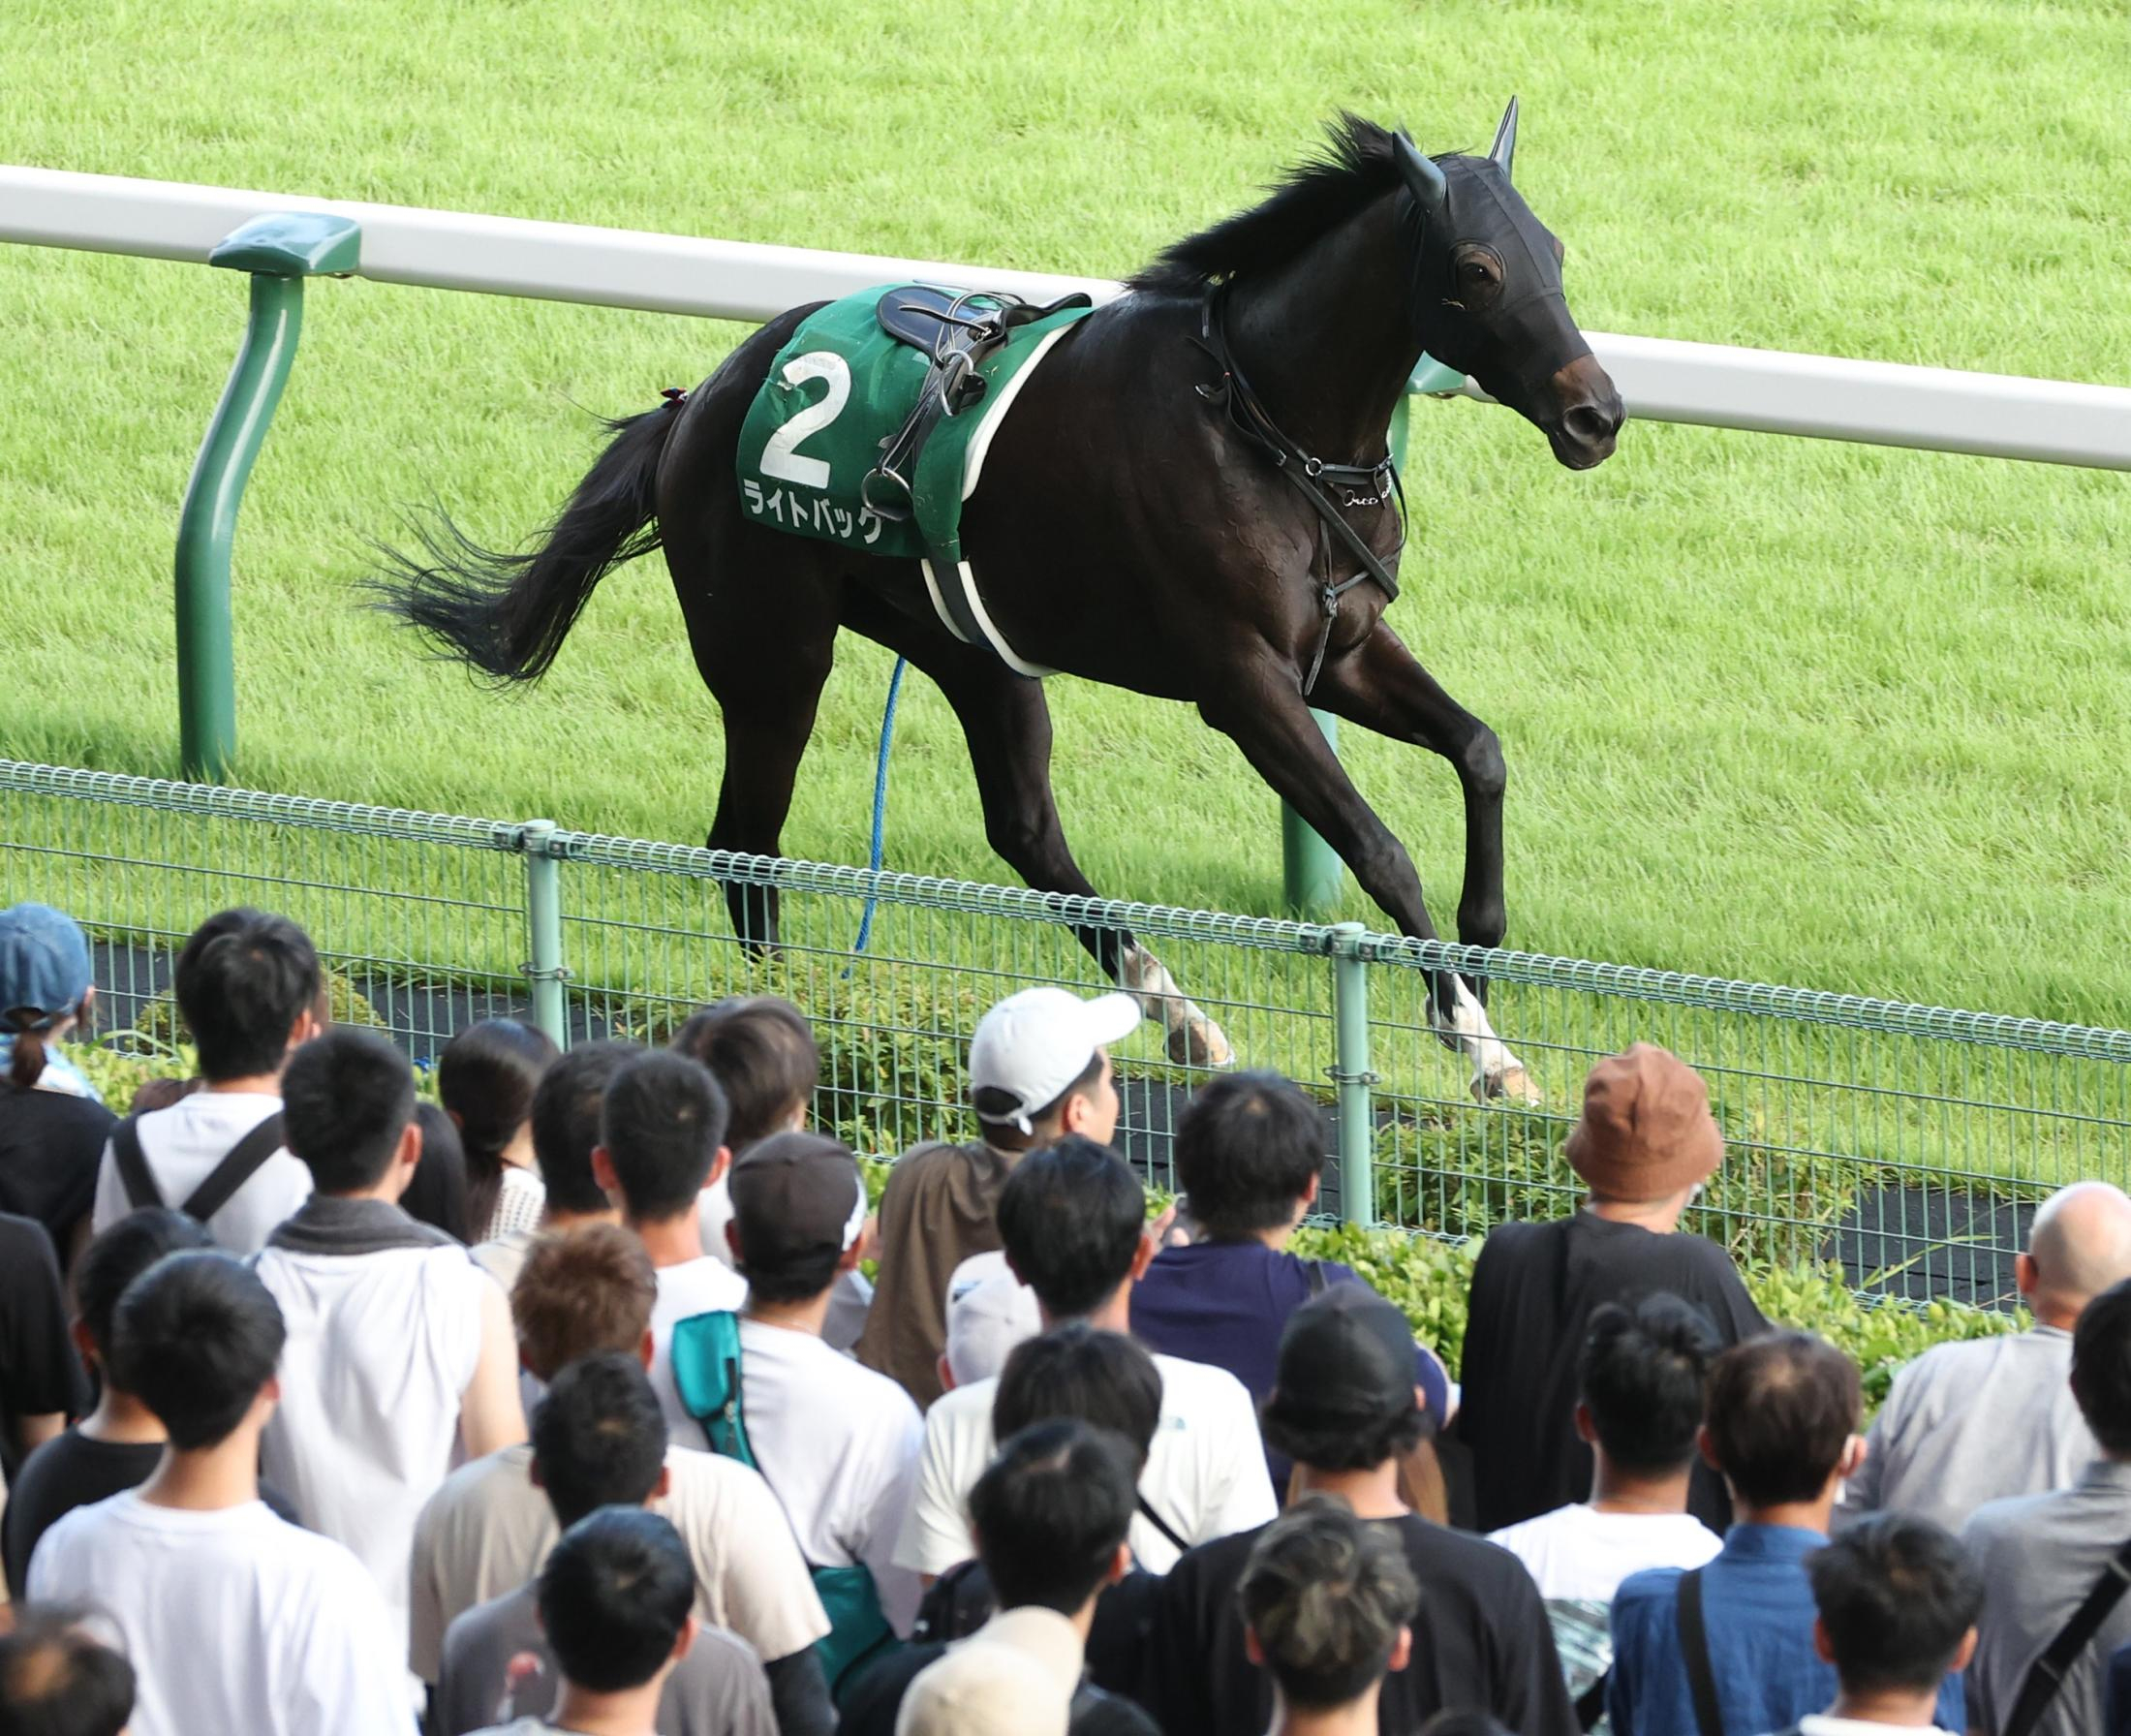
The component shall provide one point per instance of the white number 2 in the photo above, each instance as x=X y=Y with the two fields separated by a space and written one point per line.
x=779 y=455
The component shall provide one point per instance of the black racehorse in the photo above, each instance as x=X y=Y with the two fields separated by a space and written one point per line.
x=1190 y=499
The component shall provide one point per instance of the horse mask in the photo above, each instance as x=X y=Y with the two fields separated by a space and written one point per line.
x=1488 y=297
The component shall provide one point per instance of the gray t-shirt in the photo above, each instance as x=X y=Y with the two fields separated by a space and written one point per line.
x=497 y=1665
x=1970 y=1423
x=2041 y=1554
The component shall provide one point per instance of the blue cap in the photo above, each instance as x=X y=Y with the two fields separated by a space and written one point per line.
x=44 y=965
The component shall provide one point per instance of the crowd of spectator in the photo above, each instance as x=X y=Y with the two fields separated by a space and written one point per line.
x=594 y=1399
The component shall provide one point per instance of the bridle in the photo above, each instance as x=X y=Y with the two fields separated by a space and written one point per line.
x=1359 y=484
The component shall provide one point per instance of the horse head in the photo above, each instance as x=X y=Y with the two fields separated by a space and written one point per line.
x=1488 y=300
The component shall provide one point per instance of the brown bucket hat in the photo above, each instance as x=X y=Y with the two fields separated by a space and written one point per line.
x=1646 y=1130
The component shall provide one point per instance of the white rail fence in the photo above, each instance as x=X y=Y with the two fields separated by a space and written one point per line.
x=1661 y=380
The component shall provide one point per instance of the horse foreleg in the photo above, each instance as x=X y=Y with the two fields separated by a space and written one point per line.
x=1008 y=723
x=1264 y=714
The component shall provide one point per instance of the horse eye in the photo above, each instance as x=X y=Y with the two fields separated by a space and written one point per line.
x=1476 y=270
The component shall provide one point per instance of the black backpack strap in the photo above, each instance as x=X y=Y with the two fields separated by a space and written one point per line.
x=133 y=1174
x=1154 y=1519
x=1315 y=1269
x=1591 y=1704
x=2046 y=1675
x=243 y=1162
x=1694 y=1650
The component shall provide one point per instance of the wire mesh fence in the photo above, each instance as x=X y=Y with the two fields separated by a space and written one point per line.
x=1909 y=1143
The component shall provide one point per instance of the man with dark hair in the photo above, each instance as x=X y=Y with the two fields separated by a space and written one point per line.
x=565 y=1128
x=1050 y=1513
x=761 y=1051
x=1897 y=1599
x=1326 y=1601
x=118 y=1444
x=1989 y=1418
x=1642 y=1377
x=1736 y=1635
x=250 y=991
x=838 y=1442
x=613 y=1602
x=1039 y=1070
x=661 y=1142
x=2046 y=1556
x=399 y=1345
x=487 y=1531
x=1646 y=1144
x=56 y=1680
x=599 y=1441
x=1073 y=1373
x=235 y=1620
x=1344 y=1407
x=1250 y=1154
x=1073 y=1219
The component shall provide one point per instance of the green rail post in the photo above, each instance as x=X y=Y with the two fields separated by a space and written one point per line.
x=1350 y=1073
x=279 y=252
x=1312 y=877
x=543 y=923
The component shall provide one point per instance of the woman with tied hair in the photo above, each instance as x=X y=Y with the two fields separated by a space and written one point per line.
x=53 y=1123
x=486 y=1078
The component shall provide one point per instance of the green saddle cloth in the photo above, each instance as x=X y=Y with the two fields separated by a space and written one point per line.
x=836 y=392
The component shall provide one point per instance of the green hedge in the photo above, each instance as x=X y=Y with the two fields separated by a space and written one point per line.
x=1430 y=1279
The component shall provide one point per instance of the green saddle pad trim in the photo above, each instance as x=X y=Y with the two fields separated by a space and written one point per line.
x=835 y=393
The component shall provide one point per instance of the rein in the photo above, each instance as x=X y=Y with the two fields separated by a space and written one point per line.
x=1248 y=415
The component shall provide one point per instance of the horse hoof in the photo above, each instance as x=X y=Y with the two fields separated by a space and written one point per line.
x=1199 y=1043
x=1512 y=1085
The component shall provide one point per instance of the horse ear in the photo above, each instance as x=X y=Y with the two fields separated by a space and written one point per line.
x=1423 y=175
x=1505 y=139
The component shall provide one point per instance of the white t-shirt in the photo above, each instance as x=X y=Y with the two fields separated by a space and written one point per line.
x=838 y=1445
x=184 y=1143
x=380 y=1348
x=487 y=1530
x=235 y=1620
x=1576 y=1553
x=1819 y=1723
x=699 y=1286
x=1204 y=1470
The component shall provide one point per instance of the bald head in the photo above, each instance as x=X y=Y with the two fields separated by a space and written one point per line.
x=2077 y=1246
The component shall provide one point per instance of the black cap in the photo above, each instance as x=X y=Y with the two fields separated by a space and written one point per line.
x=1346 y=1360
x=795 y=1196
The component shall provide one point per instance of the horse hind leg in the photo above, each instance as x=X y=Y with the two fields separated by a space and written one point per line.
x=1007 y=724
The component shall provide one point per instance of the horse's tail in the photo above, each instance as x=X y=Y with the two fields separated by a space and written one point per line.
x=508 y=614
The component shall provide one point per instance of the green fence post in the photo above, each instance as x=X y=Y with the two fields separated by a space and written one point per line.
x=279 y=252
x=543 y=923
x=1351 y=1074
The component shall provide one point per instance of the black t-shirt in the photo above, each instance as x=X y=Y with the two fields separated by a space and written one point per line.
x=38 y=1372
x=50 y=1143
x=1480 y=1641
x=1534 y=1290
x=68 y=1472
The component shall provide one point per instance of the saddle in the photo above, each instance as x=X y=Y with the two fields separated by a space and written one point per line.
x=956 y=330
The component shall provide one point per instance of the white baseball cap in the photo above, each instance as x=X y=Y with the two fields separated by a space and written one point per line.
x=989 y=1312
x=1033 y=1044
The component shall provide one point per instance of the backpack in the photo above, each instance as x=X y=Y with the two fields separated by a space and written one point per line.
x=243 y=1160
x=706 y=1374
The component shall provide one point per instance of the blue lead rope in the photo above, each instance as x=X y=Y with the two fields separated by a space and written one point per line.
x=879 y=803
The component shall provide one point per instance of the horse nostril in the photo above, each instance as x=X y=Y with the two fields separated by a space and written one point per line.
x=1587 y=424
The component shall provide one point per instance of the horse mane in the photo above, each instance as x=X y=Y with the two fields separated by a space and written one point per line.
x=1356 y=167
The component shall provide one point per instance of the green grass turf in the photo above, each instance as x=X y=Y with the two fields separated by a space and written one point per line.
x=1823 y=714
